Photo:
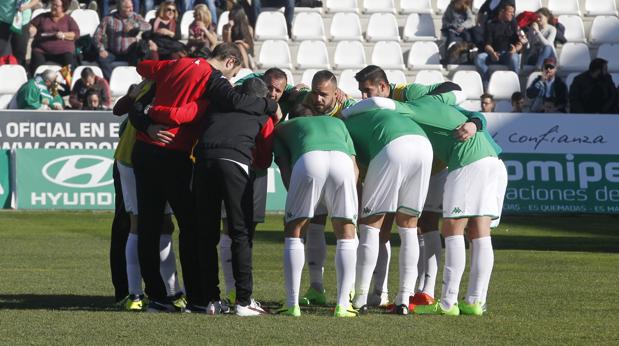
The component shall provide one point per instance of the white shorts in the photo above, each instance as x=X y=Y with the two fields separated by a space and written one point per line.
x=398 y=177
x=326 y=177
x=434 y=201
x=475 y=190
x=130 y=196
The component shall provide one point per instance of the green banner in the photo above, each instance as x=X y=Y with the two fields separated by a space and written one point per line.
x=64 y=179
x=562 y=183
x=5 y=185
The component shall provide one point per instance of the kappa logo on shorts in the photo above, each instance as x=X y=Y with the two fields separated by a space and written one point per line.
x=456 y=211
x=288 y=214
x=367 y=210
x=80 y=171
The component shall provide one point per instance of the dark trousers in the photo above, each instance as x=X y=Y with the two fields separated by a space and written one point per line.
x=38 y=58
x=106 y=63
x=256 y=7
x=164 y=175
x=13 y=43
x=120 y=232
x=216 y=181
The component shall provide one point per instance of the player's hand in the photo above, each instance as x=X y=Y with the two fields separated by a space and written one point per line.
x=465 y=131
x=340 y=95
x=158 y=133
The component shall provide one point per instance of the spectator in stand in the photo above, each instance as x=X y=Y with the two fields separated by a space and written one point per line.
x=548 y=86
x=166 y=33
x=116 y=37
x=41 y=92
x=87 y=84
x=518 y=102
x=459 y=24
x=593 y=91
x=487 y=103
x=201 y=33
x=541 y=39
x=13 y=40
x=239 y=32
x=186 y=5
x=54 y=35
x=503 y=43
x=550 y=107
x=93 y=102
x=490 y=9
x=288 y=5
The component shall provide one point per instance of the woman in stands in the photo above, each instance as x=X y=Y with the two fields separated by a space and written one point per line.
x=166 y=33
x=541 y=39
x=238 y=31
x=54 y=35
x=201 y=32
x=13 y=38
x=460 y=29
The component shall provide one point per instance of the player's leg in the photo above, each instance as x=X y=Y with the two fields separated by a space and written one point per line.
x=225 y=259
x=316 y=255
x=367 y=255
x=380 y=295
x=167 y=267
x=119 y=234
x=429 y=257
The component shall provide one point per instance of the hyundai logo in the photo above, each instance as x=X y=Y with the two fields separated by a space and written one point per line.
x=80 y=171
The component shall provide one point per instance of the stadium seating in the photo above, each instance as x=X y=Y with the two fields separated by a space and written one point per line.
x=416 y=6
x=570 y=79
x=471 y=105
x=122 y=78
x=574 y=57
x=388 y=55
x=615 y=77
x=275 y=53
x=470 y=82
x=600 y=7
x=345 y=26
x=308 y=26
x=289 y=76
x=532 y=77
x=87 y=21
x=610 y=52
x=441 y=5
x=503 y=84
x=242 y=73
x=271 y=26
x=428 y=77
x=5 y=100
x=186 y=21
x=39 y=11
x=342 y=6
x=348 y=83
x=528 y=5
x=221 y=21
x=419 y=27
x=152 y=14
x=382 y=27
x=349 y=54
x=77 y=73
x=313 y=54
x=605 y=29
x=378 y=6
x=559 y=7
x=307 y=76
x=477 y=4
x=424 y=56
x=396 y=76
x=574 y=28
x=12 y=77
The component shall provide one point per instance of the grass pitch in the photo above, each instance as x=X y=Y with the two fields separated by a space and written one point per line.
x=555 y=281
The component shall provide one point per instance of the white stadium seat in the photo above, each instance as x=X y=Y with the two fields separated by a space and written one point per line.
x=349 y=54
x=345 y=26
x=289 y=76
x=39 y=11
x=221 y=21
x=424 y=56
x=396 y=76
x=574 y=28
x=313 y=54
x=275 y=53
x=477 y=4
x=528 y=5
x=532 y=77
x=186 y=21
x=503 y=84
x=87 y=21
x=378 y=6
x=428 y=77
x=574 y=57
x=77 y=73
x=342 y=6
x=471 y=105
x=610 y=52
x=122 y=77
x=152 y=14
x=242 y=73
x=470 y=82
x=559 y=7
x=271 y=26
x=349 y=84
x=419 y=27
x=441 y=5
x=5 y=100
x=416 y=6
x=12 y=77
x=308 y=26
x=600 y=7
x=615 y=77
x=382 y=27
x=503 y=106
x=605 y=29
x=388 y=55
x=307 y=76
x=570 y=79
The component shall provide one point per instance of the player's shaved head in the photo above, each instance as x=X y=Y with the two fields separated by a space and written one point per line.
x=323 y=76
x=324 y=87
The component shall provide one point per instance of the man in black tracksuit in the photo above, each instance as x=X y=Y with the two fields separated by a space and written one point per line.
x=222 y=173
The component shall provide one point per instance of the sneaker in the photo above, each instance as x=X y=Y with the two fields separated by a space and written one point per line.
x=364 y=310
x=132 y=302
x=421 y=298
x=252 y=309
x=379 y=300
x=217 y=308
x=179 y=301
x=401 y=310
x=475 y=309
x=195 y=309
x=437 y=309
x=155 y=306
x=294 y=311
x=341 y=311
x=313 y=297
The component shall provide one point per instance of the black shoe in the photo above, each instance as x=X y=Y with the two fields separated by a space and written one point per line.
x=195 y=309
x=363 y=310
x=401 y=309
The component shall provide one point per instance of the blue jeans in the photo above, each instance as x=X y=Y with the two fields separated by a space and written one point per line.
x=505 y=58
x=256 y=6
x=543 y=54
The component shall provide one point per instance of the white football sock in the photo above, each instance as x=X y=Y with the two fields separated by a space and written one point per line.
x=482 y=261
x=167 y=265
x=294 y=259
x=432 y=253
x=225 y=257
x=316 y=246
x=367 y=253
x=409 y=256
x=345 y=262
x=421 y=264
x=134 y=277
x=381 y=272
x=455 y=260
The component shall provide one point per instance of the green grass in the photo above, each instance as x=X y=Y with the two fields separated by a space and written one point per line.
x=555 y=281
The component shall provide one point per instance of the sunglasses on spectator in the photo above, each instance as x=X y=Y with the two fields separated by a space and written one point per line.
x=549 y=67
x=171 y=9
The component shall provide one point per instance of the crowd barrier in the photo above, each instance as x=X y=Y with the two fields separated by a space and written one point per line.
x=557 y=163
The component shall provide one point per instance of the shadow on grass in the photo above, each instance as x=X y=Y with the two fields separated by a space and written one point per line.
x=56 y=302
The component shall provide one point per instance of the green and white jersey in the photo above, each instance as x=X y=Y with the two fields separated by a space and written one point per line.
x=371 y=131
x=285 y=102
x=414 y=91
x=301 y=135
